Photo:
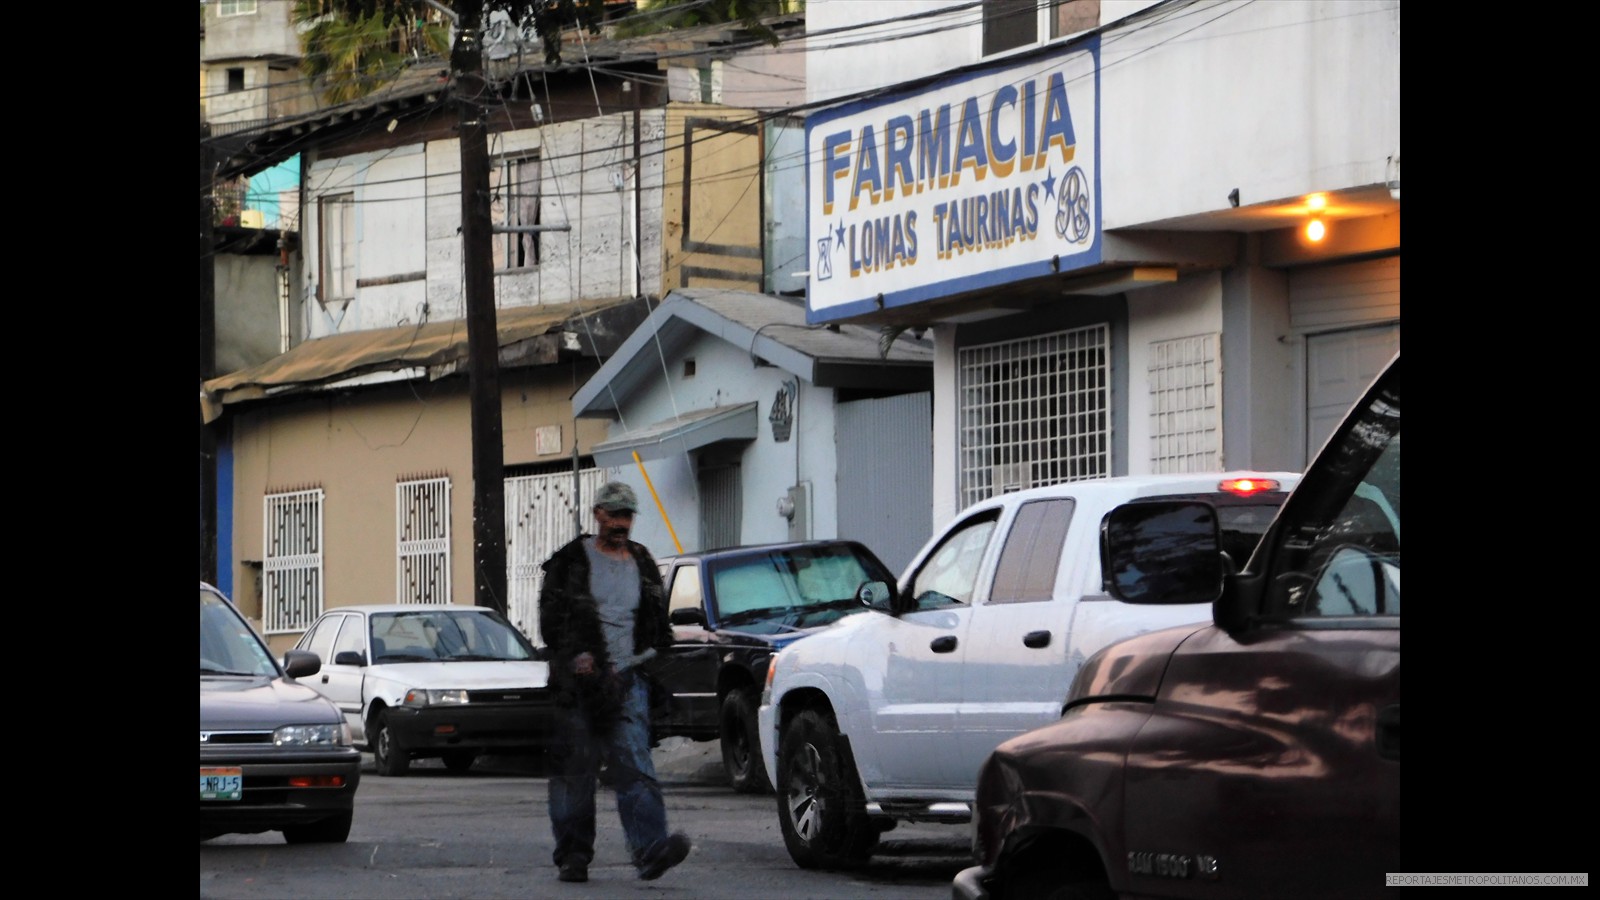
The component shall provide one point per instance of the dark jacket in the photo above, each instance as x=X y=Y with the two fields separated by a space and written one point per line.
x=569 y=617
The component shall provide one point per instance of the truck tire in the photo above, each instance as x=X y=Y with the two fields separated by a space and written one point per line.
x=388 y=757
x=741 y=744
x=820 y=805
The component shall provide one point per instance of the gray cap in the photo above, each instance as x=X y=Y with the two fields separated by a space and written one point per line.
x=616 y=497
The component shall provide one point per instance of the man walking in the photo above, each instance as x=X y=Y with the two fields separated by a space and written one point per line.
x=602 y=612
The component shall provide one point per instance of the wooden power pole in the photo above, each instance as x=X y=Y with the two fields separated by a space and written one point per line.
x=483 y=341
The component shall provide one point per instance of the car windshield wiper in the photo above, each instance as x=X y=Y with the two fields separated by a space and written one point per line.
x=755 y=615
x=404 y=657
x=208 y=670
x=474 y=657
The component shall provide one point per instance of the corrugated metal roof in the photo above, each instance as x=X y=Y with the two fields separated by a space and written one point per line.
x=439 y=346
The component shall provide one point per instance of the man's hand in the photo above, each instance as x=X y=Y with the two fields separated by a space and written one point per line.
x=583 y=663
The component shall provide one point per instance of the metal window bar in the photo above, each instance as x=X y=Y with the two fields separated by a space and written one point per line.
x=1185 y=407
x=291 y=566
x=542 y=514
x=1033 y=412
x=422 y=537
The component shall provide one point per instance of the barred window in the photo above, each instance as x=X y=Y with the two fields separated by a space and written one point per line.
x=1185 y=406
x=1034 y=412
x=422 y=531
x=236 y=7
x=291 y=566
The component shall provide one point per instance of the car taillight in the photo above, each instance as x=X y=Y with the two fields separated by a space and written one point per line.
x=1247 y=486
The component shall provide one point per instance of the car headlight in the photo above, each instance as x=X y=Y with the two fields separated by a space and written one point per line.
x=312 y=736
x=419 y=697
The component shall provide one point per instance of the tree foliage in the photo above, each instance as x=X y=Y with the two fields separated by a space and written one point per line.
x=348 y=54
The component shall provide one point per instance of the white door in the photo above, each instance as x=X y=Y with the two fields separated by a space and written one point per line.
x=1339 y=366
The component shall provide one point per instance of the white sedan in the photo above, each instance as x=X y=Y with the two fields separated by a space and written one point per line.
x=435 y=680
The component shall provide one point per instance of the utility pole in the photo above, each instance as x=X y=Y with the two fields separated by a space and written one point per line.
x=483 y=341
x=208 y=357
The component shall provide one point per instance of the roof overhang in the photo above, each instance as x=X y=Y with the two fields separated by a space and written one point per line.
x=527 y=336
x=687 y=432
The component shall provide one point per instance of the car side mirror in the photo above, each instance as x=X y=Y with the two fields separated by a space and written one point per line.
x=874 y=595
x=687 y=615
x=301 y=663
x=349 y=658
x=1162 y=552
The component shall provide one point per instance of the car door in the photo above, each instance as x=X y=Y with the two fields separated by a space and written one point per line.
x=341 y=682
x=1015 y=673
x=921 y=650
x=688 y=669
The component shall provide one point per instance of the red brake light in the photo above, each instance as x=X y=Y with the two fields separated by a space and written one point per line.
x=1247 y=486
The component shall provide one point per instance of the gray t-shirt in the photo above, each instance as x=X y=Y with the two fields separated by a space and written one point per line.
x=615 y=586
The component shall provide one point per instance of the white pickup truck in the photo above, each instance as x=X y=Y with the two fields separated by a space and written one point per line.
x=887 y=716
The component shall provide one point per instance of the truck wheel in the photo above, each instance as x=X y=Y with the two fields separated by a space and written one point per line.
x=741 y=744
x=820 y=805
x=388 y=757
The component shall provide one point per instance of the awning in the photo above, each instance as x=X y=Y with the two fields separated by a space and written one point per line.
x=525 y=336
x=690 y=431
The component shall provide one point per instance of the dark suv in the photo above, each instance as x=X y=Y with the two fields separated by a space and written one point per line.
x=1257 y=755
x=731 y=610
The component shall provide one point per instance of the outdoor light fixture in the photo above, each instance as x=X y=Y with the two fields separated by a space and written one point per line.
x=1316 y=229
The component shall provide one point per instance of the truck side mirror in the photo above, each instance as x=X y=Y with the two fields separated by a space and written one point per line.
x=687 y=615
x=1162 y=552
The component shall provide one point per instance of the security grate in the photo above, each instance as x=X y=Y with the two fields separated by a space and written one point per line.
x=1185 y=407
x=1033 y=412
x=422 y=525
x=542 y=514
x=291 y=565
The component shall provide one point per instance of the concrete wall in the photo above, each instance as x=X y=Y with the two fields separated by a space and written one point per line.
x=355 y=446
x=725 y=376
x=408 y=219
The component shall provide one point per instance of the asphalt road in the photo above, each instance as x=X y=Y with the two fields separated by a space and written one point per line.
x=486 y=834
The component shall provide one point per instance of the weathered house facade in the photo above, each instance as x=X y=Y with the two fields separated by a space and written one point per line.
x=347 y=461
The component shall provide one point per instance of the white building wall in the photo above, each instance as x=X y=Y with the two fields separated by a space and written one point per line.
x=1187 y=308
x=1275 y=99
x=408 y=220
x=946 y=503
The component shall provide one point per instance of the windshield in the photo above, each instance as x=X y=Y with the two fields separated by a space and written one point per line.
x=447 y=635
x=227 y=645
x=797 y=586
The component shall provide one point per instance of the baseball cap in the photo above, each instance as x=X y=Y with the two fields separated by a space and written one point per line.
x=615 y=496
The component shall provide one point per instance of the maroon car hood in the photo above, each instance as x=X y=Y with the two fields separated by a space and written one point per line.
x=1132 y=667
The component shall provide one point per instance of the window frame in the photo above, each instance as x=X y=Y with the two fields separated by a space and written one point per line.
x=509 y=207
x=336 y=264
x=230 y=8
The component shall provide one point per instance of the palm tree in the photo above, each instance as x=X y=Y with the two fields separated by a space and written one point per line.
x=349 y=53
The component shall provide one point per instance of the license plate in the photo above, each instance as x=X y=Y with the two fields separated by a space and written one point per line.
x=221 y=783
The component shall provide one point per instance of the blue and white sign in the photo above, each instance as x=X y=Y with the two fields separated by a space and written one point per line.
x=980 y=179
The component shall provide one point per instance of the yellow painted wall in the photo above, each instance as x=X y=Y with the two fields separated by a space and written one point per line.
x=357 y=445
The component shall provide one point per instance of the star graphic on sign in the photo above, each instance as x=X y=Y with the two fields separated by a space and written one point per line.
x=840 y=232
x=1050 y=183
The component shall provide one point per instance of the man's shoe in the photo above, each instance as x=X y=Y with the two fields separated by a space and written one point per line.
x=663 y=855
x=574 y=871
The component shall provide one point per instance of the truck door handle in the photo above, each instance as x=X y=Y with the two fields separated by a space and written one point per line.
x=1036 y=639
x=324 y=677
x=1389 y=732
x=943 y=644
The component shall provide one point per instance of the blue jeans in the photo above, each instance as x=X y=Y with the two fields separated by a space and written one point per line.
x=625 y=751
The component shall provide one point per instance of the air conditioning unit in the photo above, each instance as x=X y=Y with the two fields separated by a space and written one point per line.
x=252 y=218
